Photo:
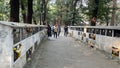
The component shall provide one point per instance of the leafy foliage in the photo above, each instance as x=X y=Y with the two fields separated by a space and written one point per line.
x=4 y=9
x=67 y=11
x=104 y=10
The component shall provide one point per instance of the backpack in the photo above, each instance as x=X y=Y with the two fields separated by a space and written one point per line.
x=55 y=29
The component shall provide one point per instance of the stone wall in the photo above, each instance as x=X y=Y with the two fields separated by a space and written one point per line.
x=102 y=42
x=26 y=45
x=6 y=51
x=16 y=54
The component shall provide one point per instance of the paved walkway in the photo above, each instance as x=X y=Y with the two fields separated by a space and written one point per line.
x=65 y=52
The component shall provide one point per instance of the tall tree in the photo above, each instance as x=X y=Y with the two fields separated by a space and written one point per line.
x=22 y=2
x=59 y=5
x=36 y=12
x=99 y=10
x=68 y=11
x=113 y=12
x=104 y=11
x=30 y=11
x=74 y=3
x=44 y=11
x=14 y=11
x=94 y=12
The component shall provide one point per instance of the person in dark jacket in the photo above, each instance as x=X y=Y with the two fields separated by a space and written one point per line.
x=65 y=30
x=49 y=30
x=59 y=30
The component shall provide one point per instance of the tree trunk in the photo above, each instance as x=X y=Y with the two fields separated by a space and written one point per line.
x=61 y=14
x=23 y=11
x=14 y=11
x=44 y=12
x=74 y=11
x=30 y=11
x=113 y=13
x=39 y=3
x=44 y=15
x=94 y=14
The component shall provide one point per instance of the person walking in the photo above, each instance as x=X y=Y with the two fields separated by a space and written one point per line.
x=65 y=30
x=59 y=30
x=52 y=30
x=49 y=30
x=55 y=31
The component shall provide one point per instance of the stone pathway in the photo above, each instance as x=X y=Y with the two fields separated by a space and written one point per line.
x=65 y=52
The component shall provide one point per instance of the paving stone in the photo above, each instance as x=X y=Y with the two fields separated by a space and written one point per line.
x=66 y=52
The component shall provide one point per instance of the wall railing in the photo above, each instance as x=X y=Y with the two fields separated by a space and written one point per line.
x=105 y=38
x=18 y=41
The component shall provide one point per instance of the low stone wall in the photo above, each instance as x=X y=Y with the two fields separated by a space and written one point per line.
x=101 y=42
x=30 y=42
x=18 y=41
x=6 y=47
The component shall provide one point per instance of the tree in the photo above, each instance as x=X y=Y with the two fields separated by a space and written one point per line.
x=44 y=11
x=23 y=6
x=113 y=12
x=36 y=12
x=30 y=11
x=94 y=11
x=98 y=10
x=14 y=12
x=74 y=4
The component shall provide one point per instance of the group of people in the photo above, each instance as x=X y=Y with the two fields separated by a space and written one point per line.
x=53 y=30
x=56 y=30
